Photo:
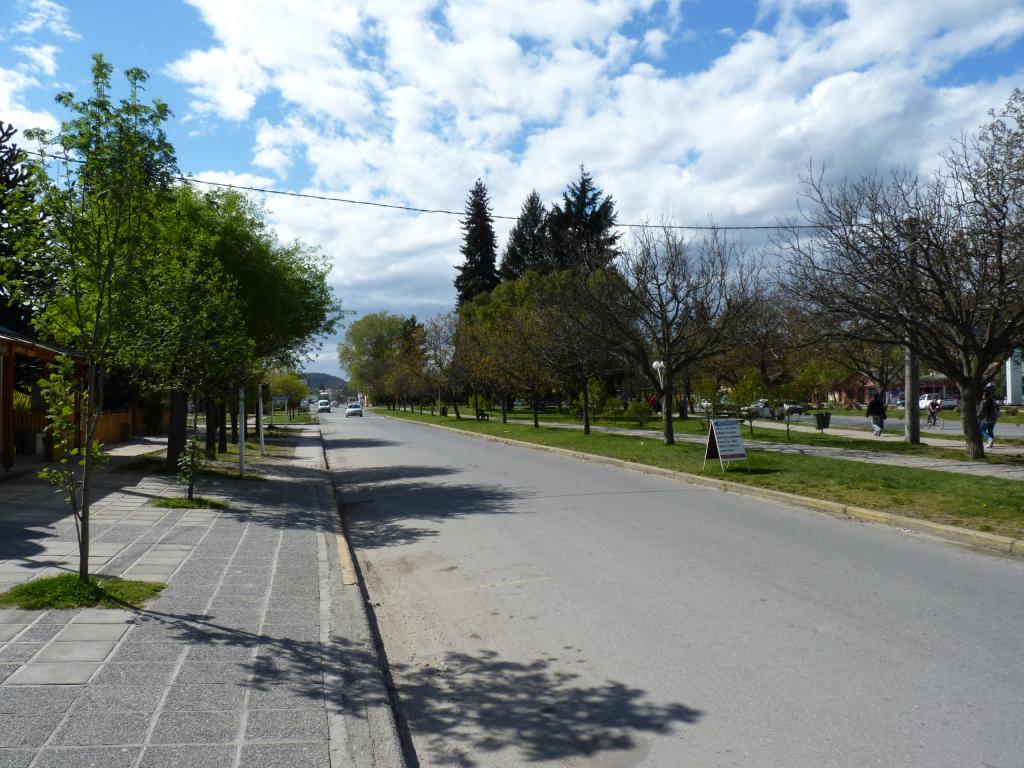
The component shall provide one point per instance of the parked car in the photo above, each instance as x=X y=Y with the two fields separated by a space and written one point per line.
x=792 y=408
x=324 y=406
x=353 y=409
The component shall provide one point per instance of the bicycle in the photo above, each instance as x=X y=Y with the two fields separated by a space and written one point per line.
x=934 y=421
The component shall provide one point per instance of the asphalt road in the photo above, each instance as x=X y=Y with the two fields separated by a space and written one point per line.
x=544 y=610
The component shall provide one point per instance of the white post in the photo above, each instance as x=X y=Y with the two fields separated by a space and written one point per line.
x=1013 y=380
x=271 y=391
x=259 y=411
x=241 y=432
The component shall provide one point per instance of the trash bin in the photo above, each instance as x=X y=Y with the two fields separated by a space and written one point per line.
x=444 y=410
x=822 y=420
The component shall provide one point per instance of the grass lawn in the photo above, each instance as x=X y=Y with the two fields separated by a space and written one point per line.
x=179 y=502
x=68 y=591
x=981 y=503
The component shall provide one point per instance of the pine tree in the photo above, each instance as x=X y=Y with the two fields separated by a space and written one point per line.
x=582 y=228
x=527 y=246
x=478 y=274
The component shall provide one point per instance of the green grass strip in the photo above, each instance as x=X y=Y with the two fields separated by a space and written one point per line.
x=986 y=504
x=178 y=502
x=68 y=591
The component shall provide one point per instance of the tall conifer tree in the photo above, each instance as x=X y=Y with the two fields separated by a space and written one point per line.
x=478 y=273
x=582 y=227
x=527 y=246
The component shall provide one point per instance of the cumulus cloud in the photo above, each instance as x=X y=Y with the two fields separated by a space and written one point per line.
x=409 y=101
x=42 y=15
x=42 y=59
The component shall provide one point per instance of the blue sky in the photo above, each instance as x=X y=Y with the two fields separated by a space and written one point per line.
x=682 y=109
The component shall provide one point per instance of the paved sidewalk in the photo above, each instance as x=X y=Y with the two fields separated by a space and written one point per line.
x=255 y=655
x=977 y=469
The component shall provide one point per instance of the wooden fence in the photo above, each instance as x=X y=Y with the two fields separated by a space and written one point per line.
x=113 y=427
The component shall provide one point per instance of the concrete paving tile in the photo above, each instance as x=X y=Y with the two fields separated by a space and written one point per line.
x=312 y=755
x=55 y=651
x=105 y=616
x=158 y=632
x=222 y=652
x=299 y=633
x=55 y=673
x=121 y=674
x=76 y=633
x=25 y=700
x=6 y=670
x=286 y=725
x=39 y=633
x=285 y=695
x=27 y=730
x=19 y=651
x=189 y=756
x=193 y=727
x=59 y=616
x=100 y=728
x=129 y=697
x=214 y=672
x=9 y=631
x=87 y=757
x=188 y=697
x=16 y=758
x=137 y=652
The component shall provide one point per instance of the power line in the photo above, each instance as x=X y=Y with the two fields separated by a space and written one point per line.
x=443 y=211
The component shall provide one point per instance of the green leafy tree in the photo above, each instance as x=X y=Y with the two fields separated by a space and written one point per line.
x=100 y=222
x=291 y=386
x=527 y=246
x=582 y=228
x=478 y=273
x=369 y=352
x=19 y=219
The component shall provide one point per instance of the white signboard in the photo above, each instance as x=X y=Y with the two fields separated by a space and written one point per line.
x=725 y=442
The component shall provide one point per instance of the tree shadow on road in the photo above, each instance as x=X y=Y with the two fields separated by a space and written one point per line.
x=341 y=443
x=379 y=514
x=488 y=704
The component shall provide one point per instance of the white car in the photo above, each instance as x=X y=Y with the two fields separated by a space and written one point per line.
x=353 y=409
x=324 y=406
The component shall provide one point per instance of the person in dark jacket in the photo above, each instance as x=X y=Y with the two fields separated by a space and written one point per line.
x=987 y=415
x=876 y=412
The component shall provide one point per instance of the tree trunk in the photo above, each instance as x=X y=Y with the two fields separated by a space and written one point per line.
x=222 y=426
x=504 y=410
x=234 y=426
x=177 y=430
x=455 y=406
x=536 y=408
x=586 y=409
x=684 y=408
x=259 y=415
x=93 y=401
x=969 y=419
x=911 y=392
x=668 y=391
x=212 y=419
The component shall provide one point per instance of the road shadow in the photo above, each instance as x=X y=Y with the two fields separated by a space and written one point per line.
x=341 y=443
x=489 y=704
x=380 y=510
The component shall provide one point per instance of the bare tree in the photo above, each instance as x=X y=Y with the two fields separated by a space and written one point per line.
x=673 y=301
x=937 y=265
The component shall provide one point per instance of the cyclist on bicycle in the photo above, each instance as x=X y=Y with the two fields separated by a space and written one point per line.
x=933 y=410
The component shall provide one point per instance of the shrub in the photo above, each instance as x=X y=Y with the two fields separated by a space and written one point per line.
x=639 y=411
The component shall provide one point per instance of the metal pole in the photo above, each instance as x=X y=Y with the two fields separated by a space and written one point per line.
x=241 y=432
x=911 y=368
x=259 y=411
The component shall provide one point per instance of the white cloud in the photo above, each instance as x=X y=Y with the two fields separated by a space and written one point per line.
x=36 y=15
x=41 y=59
x=13 y=109
x=409 y=101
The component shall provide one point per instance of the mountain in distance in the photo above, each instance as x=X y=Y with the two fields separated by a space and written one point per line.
x=321 y=381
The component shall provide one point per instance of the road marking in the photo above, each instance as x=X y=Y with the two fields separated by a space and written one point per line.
x=348 y=568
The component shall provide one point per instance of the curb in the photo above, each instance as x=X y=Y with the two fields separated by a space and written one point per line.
x=990 y=542
x=375 y=742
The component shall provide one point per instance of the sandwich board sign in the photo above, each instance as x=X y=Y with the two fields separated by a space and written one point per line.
x=725 y=442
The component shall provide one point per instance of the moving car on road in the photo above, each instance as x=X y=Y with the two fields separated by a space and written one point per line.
x=324 y=406
x=353 y=409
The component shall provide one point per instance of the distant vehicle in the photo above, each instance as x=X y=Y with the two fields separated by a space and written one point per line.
x=704 y=405
x=354 y=409
x=324 y=406
x=948 y=402
x=792 y=408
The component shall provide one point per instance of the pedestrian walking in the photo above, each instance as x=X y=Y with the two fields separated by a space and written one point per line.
x=876 y=412
x=988 y=413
